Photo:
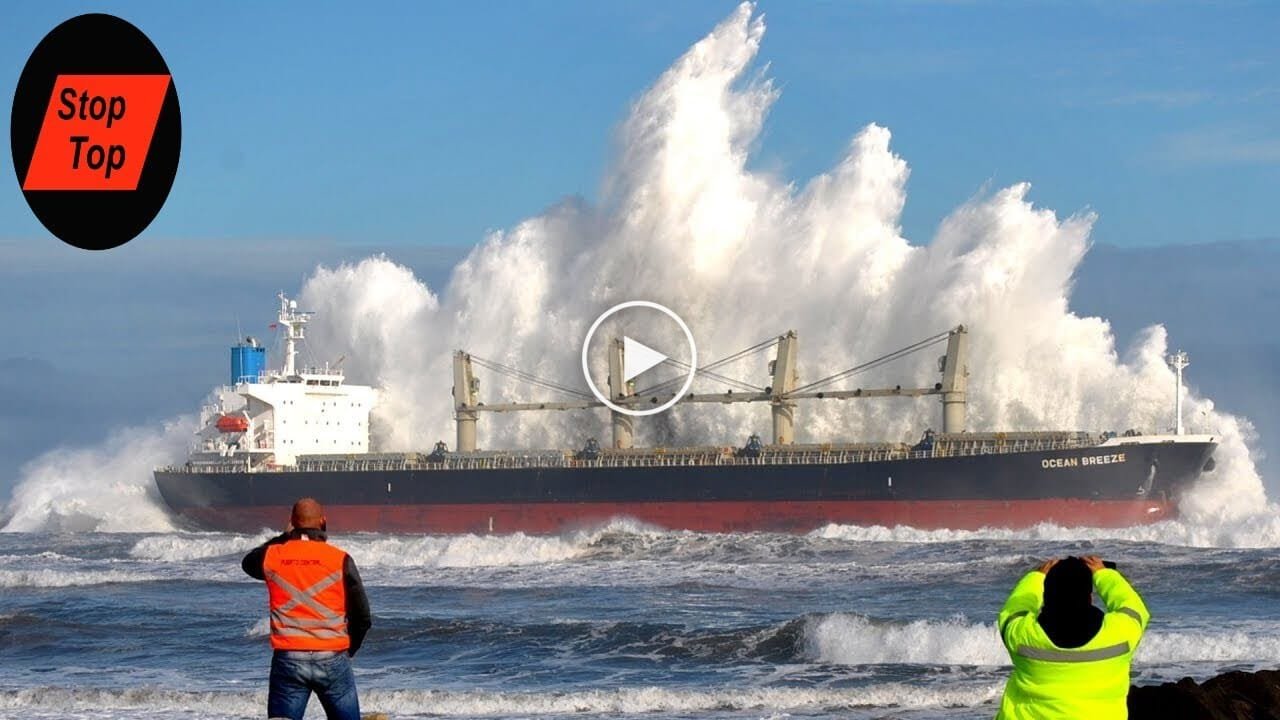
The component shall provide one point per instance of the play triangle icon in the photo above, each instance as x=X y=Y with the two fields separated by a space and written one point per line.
x=637 y=357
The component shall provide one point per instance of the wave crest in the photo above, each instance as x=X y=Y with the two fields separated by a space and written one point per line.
x=846 y=639
x=479 y=703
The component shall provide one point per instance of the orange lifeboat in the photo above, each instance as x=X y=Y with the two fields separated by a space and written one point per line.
x=232 y=423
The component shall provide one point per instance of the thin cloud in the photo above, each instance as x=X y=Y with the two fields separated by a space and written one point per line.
x=1219 y=146
x=1159 y=99
x=1166 y=99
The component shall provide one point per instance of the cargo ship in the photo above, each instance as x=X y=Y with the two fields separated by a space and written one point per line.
x=274 y=435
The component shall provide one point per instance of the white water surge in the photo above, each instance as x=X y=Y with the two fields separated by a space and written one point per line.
x=845 y=639
x=160 y=703
x=682 y=220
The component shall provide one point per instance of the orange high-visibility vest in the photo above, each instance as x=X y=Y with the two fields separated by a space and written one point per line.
x=307 y=596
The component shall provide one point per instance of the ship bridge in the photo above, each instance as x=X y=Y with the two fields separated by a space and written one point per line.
x=269 y=417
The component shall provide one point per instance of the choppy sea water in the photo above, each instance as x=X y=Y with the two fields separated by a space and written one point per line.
x=617 y=621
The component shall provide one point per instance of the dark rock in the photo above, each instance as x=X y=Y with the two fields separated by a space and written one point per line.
x=1230 y=696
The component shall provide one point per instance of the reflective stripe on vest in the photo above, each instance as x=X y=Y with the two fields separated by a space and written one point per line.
x=1074 y=656
x=329 y=625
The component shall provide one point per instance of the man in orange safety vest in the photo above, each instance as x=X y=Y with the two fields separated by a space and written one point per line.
x=319 y=617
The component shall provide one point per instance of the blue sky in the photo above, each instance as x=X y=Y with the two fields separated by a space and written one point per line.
x=434 y=122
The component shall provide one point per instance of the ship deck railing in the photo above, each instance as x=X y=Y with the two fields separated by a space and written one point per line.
x=953 y=445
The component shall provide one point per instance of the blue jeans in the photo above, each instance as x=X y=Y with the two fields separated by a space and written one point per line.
x=297 y=674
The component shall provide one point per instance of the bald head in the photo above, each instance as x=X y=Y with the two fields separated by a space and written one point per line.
x=307 y=513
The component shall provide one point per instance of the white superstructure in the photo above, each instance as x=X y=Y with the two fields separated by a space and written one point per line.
x=271 y=417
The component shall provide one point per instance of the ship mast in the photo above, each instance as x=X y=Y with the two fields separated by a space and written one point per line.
x=292 y=321
x=783 y=369
x=1179 y=362
x=623 y=424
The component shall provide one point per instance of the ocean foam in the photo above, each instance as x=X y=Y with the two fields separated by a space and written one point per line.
x=612 y=702
x=1256 y=530
x=260 y=629
x=462 y=550
x=48 y=578
x=103 y=488
x=846 y=639
x=186 y=547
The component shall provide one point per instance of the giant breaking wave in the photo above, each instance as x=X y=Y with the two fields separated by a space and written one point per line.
x=682 y=220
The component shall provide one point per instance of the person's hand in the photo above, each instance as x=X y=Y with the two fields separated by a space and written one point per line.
x=1094 y=562
x=1047 y=565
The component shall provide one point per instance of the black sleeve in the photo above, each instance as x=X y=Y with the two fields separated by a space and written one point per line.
x=252 y=562
x=359 y=619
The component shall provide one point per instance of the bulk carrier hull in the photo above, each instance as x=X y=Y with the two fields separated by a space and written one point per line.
x=274 y=436
x=1108 y=484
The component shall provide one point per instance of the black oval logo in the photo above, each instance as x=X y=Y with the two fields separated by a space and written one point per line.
x=96 y=131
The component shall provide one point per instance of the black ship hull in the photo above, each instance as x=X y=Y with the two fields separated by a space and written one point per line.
x=1102 y=486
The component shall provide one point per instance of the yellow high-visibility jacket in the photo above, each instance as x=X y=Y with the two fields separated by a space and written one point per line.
x=1089 y=682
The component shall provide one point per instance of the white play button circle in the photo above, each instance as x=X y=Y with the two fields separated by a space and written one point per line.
x=639 y=358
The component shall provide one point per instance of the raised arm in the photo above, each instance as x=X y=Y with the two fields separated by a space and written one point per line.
x=1024 y=602
x=252 y=562
x=1119 y=596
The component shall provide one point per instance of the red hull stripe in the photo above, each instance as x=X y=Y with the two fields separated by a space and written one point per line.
x=722 y=516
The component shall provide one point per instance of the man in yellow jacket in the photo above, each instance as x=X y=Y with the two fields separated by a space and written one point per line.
x=1070 y=659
